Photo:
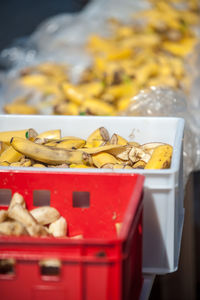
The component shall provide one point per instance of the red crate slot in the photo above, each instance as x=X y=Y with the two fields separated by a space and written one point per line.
x=102 y=265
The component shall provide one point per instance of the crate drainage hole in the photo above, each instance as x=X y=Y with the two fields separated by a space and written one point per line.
x=50 y=267
x=41 y=198
x=5 y=197
x=81 y=199
x=7 y=266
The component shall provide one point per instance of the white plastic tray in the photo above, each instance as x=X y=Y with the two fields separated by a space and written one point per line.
x=163 y=195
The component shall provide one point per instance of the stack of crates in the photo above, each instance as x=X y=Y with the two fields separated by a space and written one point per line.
x=102 y=265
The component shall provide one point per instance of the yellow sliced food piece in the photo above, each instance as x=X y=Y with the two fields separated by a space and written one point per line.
x=97 y=107
x=139 y=165
x=3 y=147
x=119 y=54
x=92 y=89
x=78 y=166
x=161 y=158
x=72 y=93
x=49 y=155
x=67 y=108
x=100 y=159
x=123 y=103
x=37 y=165
x=67 y=144
x=181 y=49
x=116 y=139
x=20 y=108
x=122 y=90
x=50 y=134
x=97 y=138
x=10 y=155
x=5 y=136
x=4 y=164
x=100 y=149
x=34 y=80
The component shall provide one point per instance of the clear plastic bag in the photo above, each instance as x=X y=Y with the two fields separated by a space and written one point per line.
x=162 y=101
x=62 y=37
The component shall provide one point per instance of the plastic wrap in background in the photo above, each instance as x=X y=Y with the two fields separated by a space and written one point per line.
x=62 y=38
x=162 y=101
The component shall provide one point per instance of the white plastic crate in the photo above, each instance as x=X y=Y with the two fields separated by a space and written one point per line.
x=163 y=195
x=148 y=280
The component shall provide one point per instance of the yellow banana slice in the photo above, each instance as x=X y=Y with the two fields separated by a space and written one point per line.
x=81 y=166
x=3 y=147
x=16 y=164
x=140 y=164
x=108 y=166
x=66 y=108
x=97 y=138
x=48 y=155
x=100 y=149
x=25 y=162
x=34 y=80
x=92 y=89
x=128 y=167
x=118 y=140
x=59 y=166
x=161 y=158
x=72 y=93
x=67 y=144
x=10 y=155
x=50 y=134
x=123 y=103
x=20 y=109
x=4 y=164
x=97 y=107
x=5 y=136
x=37 y=165
x=101 y=159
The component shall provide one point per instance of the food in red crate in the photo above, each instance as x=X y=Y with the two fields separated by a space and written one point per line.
x=104 y=264
x=40 y=221
x=26 y=148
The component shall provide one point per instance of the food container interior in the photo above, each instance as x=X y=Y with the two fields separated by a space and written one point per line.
x=139 y=129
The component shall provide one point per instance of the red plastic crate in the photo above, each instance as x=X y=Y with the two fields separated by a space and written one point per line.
x=101 y=265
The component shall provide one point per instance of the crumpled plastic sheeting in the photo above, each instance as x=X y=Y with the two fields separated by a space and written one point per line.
x=161 y=101
x=61 y=38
